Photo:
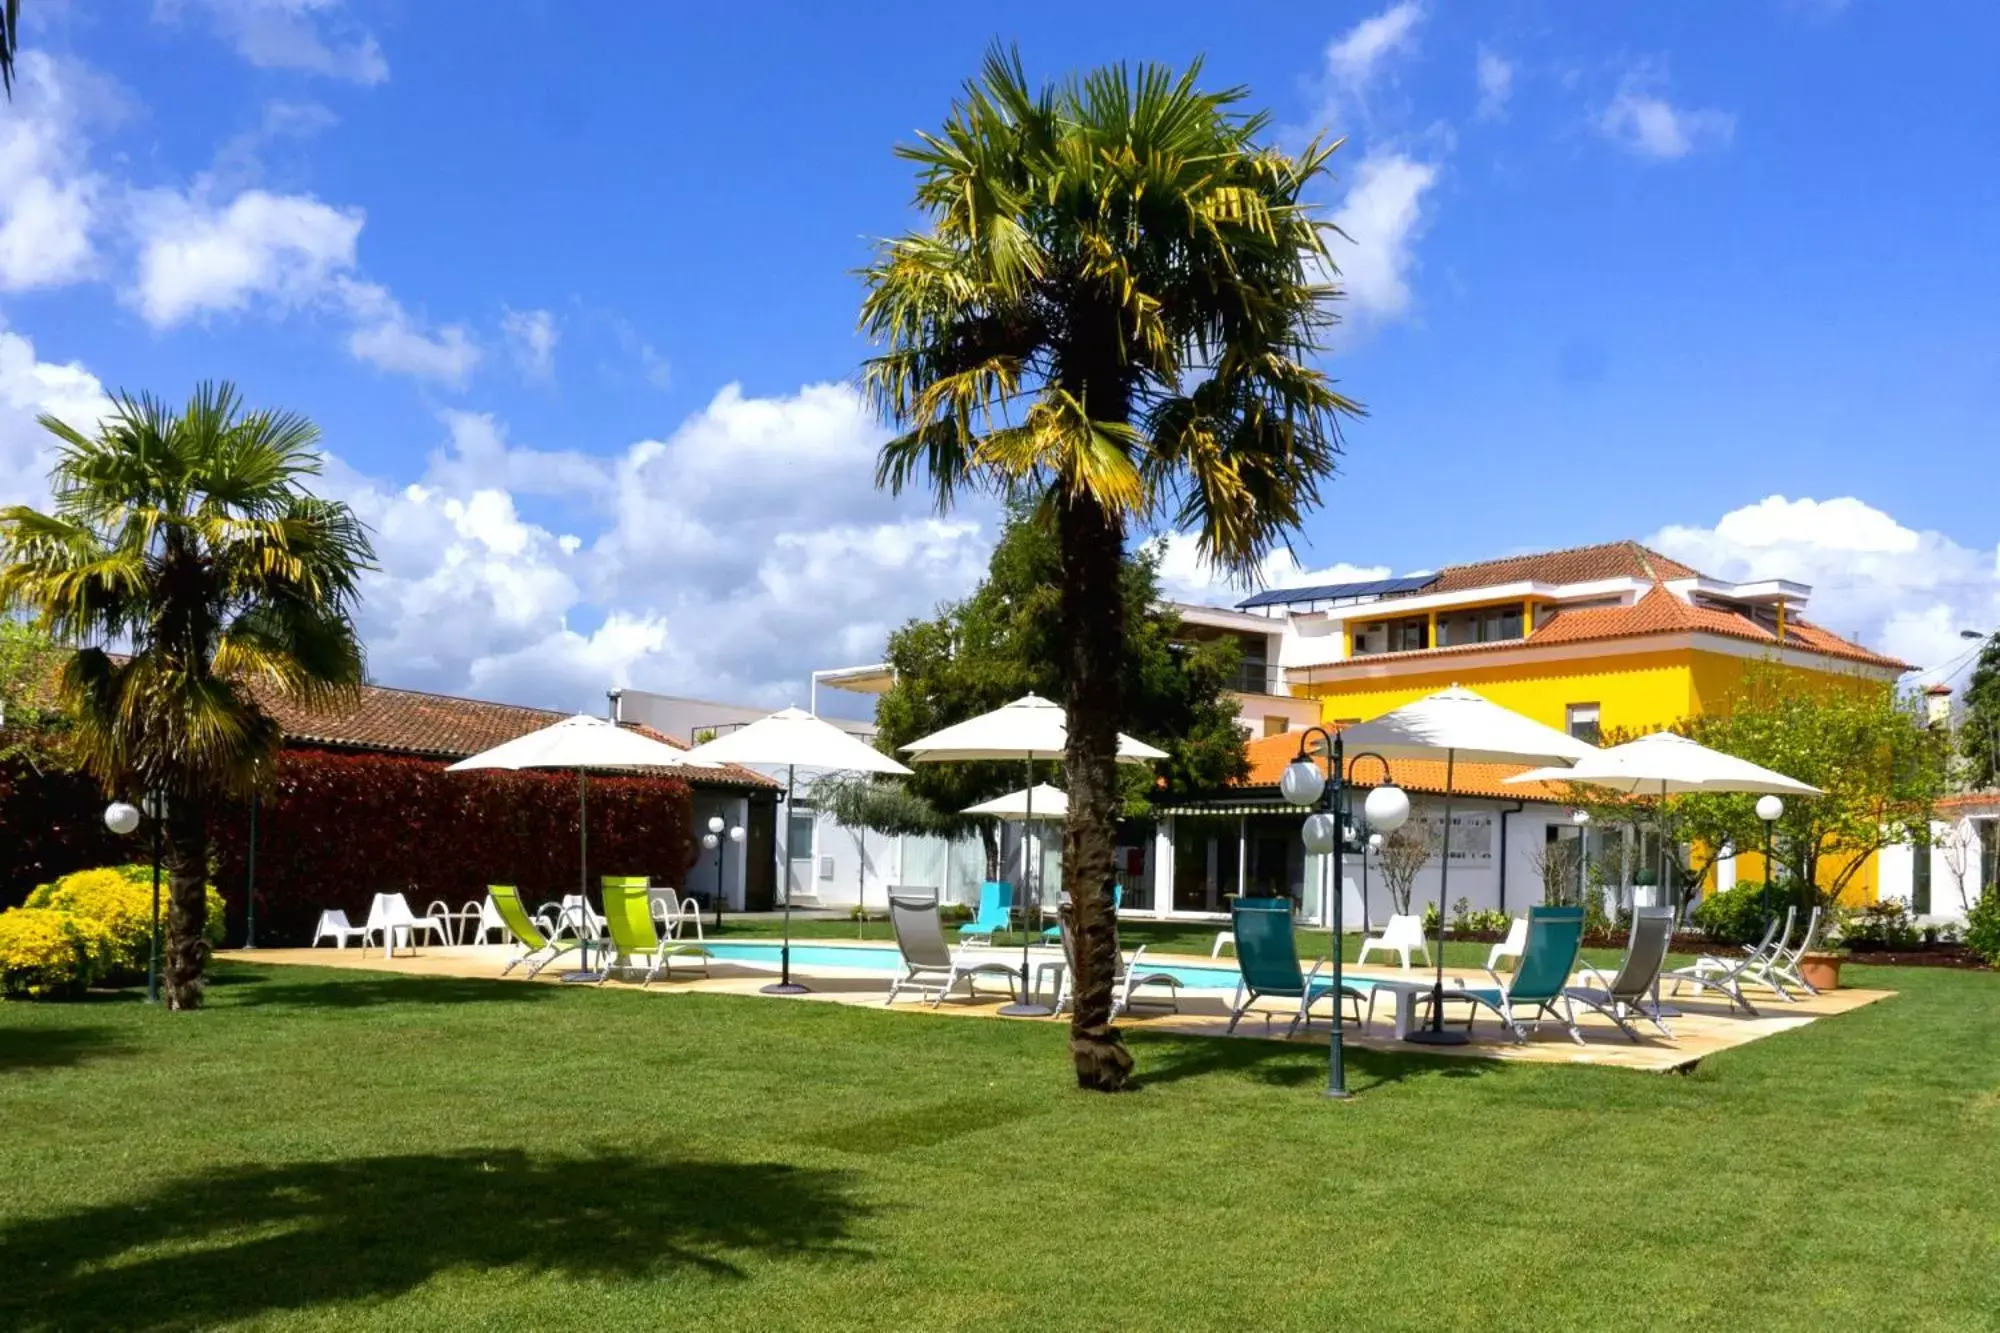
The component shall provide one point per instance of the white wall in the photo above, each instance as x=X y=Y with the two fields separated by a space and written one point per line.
x=1949 y=899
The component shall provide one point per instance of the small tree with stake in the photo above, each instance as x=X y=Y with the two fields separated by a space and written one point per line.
x=1405 y=852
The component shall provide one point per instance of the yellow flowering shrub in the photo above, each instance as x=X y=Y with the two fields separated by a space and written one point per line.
x=119 y=899
x=45 y=952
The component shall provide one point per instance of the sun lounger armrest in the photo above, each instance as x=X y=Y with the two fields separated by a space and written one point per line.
x=1597 y=978
x=1496 y=980
x=1318 y=963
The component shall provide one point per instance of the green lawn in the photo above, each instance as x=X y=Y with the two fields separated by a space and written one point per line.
x=324 y=1150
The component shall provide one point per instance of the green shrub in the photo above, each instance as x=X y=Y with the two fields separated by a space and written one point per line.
x=1886 y=925
x=45 y=953
x=1982 y=926
x=119 y=900
x=1738 y=915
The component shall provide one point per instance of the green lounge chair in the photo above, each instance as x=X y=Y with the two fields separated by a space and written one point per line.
x=536 y=949
x=1268 y=957
x=636 y=946
x=996 y=900
x=1540 y=984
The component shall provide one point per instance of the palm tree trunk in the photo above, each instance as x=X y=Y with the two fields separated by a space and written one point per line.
x=187 y=902
x=1093 y=616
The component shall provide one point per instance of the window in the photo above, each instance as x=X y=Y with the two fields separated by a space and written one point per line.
x=1486 y=624
x=1276 y=724
x=799 y=836
x=1583 y=723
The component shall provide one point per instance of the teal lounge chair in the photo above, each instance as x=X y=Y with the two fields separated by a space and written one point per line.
x=1539 y=986
x=1268 y=956
x=1054 y=934
x=636 y=946
x=536 y=949
x=996 y=900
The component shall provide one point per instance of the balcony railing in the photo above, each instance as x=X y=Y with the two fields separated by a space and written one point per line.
x=1256 y=678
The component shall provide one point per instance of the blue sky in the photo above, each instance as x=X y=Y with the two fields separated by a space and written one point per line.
x=572 y=299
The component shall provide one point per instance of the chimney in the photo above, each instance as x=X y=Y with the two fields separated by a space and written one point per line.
x=1937 y=705
x=617 y=698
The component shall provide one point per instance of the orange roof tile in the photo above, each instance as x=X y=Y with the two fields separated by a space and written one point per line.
x=1578 y=564
x=1268 y=756
x=1660 y=612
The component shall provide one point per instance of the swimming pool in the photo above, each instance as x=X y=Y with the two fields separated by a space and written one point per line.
x=885 y=959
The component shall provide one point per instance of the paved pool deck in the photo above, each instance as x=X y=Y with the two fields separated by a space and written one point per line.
x=1705 y=1026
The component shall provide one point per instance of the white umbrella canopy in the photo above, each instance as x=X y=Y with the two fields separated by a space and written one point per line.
x=1664 y=763
x=1469 y=726
x=584 y=744
x=795 y=738
x=1030 y=727
x=581 y=742
x=1040 y=802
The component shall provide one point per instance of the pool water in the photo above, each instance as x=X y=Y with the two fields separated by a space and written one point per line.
x=885 y=959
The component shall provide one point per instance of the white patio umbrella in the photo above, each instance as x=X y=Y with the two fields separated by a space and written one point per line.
x=1666 y=764
x=794 y=739
x=1460 y=724
x=1038 y=802
x=586 y=744
x=1029 y=728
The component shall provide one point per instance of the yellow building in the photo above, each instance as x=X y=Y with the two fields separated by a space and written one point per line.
x=1589 y=640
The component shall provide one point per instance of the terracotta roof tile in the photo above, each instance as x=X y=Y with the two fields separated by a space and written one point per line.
x=1578 y=564
x=1268 y=756
x=1660 y=612
x=442 y=726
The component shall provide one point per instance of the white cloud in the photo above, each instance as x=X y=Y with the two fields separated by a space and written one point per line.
x=310 y=35
x=49 y=199
x=1641 y=121
x=30 y=387
x=730 y=558
x=388 y=338
x=195 y=258
x=1382 y=215
x=1496 y=84
x=1355 y=59
x=532 y=336
x=1901 y=591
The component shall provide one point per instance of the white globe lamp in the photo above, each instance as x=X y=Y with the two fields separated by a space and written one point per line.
x=1301 y=783
x=1387 y=808
x=121 y=818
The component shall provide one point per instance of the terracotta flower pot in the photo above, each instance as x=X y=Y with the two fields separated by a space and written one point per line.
x=1821 y=970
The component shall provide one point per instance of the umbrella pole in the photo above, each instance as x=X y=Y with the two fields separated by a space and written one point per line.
x=1026 y=1007
x=1435 y=1034
x=583 y=972
x=785 y=985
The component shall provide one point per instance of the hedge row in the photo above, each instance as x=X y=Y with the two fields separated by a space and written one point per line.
x=336 y=829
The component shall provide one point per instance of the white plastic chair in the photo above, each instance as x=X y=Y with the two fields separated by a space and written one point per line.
x=390 y=919
x=1402 y=936
x=334 y=925
x=1223 y=939
x=1511 y=947
x=484 y=919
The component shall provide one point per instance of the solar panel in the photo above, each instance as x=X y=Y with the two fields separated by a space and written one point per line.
x=1329 y=592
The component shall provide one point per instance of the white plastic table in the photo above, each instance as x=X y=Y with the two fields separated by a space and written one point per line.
x=1406 y=993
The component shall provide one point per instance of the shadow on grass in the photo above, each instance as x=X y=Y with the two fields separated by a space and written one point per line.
x=56 y=1048
x=250 y=988
x=1165 y=1059
x=251 y=1240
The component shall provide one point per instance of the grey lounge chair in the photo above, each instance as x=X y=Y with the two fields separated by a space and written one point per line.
x=1780 y=967
x=1727 y=975
x=1629 y=994
x=1132 y=974
x=932 y=965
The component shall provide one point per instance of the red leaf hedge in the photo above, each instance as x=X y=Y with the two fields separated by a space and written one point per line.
x=336 y=829
x=52 y=822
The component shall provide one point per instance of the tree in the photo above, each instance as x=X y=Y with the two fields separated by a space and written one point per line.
x=10 y=32
x=1405 y=852
x=1004 y=641
x=1110 y=312
x=183 y=560
x=1979 y=727
x=863 y=804
x=1560 y=864
x=1881 y=768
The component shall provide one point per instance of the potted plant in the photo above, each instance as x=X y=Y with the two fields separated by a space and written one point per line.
x=1820 y=967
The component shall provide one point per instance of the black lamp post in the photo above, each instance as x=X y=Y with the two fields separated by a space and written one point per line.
x=1329 y=831
x=719 y=833
x=1769 y=809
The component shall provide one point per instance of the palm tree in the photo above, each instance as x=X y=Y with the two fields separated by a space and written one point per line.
x=10 y=32
x=185 y=560
x=1111 y=310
